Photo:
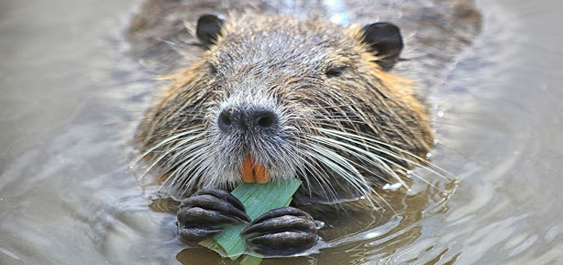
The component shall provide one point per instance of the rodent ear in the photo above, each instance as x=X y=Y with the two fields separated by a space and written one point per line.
x=209 y=29
x=385 y=41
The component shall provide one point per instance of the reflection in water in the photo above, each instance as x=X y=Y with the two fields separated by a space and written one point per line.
x=72 y=99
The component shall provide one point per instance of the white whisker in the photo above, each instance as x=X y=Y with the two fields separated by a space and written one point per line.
x=366 y=157
x=349 y=137
x=342 y=167
x=177 y=145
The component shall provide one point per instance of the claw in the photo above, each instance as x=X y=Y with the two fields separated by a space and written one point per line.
x=200 y=215
x=197 y=215
x=224 y=196
x=281 y=232
x=282 y=223
x=281 y=212
x=213 y=203
x=284 y=239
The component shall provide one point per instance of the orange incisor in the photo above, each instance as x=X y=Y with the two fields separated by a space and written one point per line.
x=251 y=171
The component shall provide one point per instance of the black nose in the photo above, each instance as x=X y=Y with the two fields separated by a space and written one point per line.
x=252 y=120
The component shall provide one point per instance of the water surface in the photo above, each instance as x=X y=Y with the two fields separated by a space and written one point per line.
x=71 y=98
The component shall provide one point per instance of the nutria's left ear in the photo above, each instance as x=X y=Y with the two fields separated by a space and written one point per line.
x=208 y=29
x=385 y=41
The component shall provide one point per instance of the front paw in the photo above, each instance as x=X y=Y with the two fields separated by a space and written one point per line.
x=282 y=232
x=201 y=215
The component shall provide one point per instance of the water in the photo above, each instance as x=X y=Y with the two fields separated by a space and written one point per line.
x=71 y=98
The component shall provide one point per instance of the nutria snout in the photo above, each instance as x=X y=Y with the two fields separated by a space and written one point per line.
x=248 y=119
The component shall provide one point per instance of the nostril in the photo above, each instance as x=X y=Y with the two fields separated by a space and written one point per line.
x=225 y=119
x=265 y=119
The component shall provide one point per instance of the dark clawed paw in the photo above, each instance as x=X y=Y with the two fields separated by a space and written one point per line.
x=200 y=214
x=282 y=232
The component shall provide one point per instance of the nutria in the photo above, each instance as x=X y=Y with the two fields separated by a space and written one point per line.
x=270 y=95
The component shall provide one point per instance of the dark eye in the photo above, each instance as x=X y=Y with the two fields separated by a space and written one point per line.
x=336 y=71
x=211 y=68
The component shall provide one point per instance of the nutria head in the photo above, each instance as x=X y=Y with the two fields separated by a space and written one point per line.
x=276 y=97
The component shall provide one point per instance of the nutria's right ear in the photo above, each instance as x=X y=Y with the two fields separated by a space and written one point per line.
x=208 y=29
x=385 y=41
